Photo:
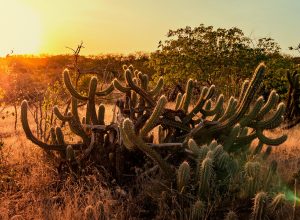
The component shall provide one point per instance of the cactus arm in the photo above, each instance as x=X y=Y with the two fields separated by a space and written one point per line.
x=125 y=140
x=77 y=129
x=156 y=90
x=205 y=176
x=175 y=124
x=183 y=176
x=253 y=112
x=230 y=109
x=70 y=87
x=232 y=137
x=138 y=90
x=151 y=122
x=119 y=86
x=91 y=100
x=74 y=109
x=161 y=134
x=140 y=144
x=245 y=139
x=206 y=94
x=59 y=136
x=260 y=206
x=247 y=98
x=272 y=100
x=275 y=119
x=216 y=109
x=30 y=136
x=106 y=91
x=242 y=108
x=188 y=97
x=60 y=116
x=133 y=100
x=144 y=82
x=243 y=90
x=101 y=114
x=270 y=141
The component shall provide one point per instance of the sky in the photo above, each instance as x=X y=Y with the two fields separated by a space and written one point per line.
x=127 y=26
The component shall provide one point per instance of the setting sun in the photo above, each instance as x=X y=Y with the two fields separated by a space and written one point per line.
x=20 y=29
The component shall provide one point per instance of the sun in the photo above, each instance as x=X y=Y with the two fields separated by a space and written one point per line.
x=20 y=28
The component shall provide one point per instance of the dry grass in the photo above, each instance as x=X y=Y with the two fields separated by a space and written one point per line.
x=287 y=154
x=30 y=186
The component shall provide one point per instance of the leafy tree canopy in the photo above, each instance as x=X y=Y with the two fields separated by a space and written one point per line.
x=220 y=56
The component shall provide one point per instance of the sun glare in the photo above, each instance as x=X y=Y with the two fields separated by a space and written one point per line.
x=20 y=28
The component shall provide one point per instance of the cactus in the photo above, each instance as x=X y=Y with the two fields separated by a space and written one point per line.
x=206 y=175
x=188 y=95
x=204 y=158
x=151 y=122
x=129 y=130
x=183 y=176
x=198 y=211
x=101 y=114
x=259 y=210
x=277 y=203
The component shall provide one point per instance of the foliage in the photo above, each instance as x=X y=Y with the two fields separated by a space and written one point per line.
x=219 y=56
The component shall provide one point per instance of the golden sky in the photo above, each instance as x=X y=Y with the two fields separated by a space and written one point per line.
x=125 y=26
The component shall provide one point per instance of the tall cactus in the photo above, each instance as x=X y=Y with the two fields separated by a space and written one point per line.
x=203 y=147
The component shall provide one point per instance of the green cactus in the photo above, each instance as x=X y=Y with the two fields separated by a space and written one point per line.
x=183 y=176
x=198 y=210
x=119 y=86
x=206 y=175
x=277 y=203
x=101 y=114
x=139 y=143
x=151 y=122
x=161 y=134
x=188 y=96
x=30 y=136
x=259 y=210
x=157 y=89
x=252 y=169
x=178 y=101
x=213 y=138
x=60 y=136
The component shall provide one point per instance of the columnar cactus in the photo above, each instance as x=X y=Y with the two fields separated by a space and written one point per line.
x=203 y=149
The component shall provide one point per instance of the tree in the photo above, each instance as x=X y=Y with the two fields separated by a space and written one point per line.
x=223 y=56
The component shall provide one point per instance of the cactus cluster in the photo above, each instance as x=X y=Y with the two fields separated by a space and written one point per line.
x=211 y=170
x=203 y=147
